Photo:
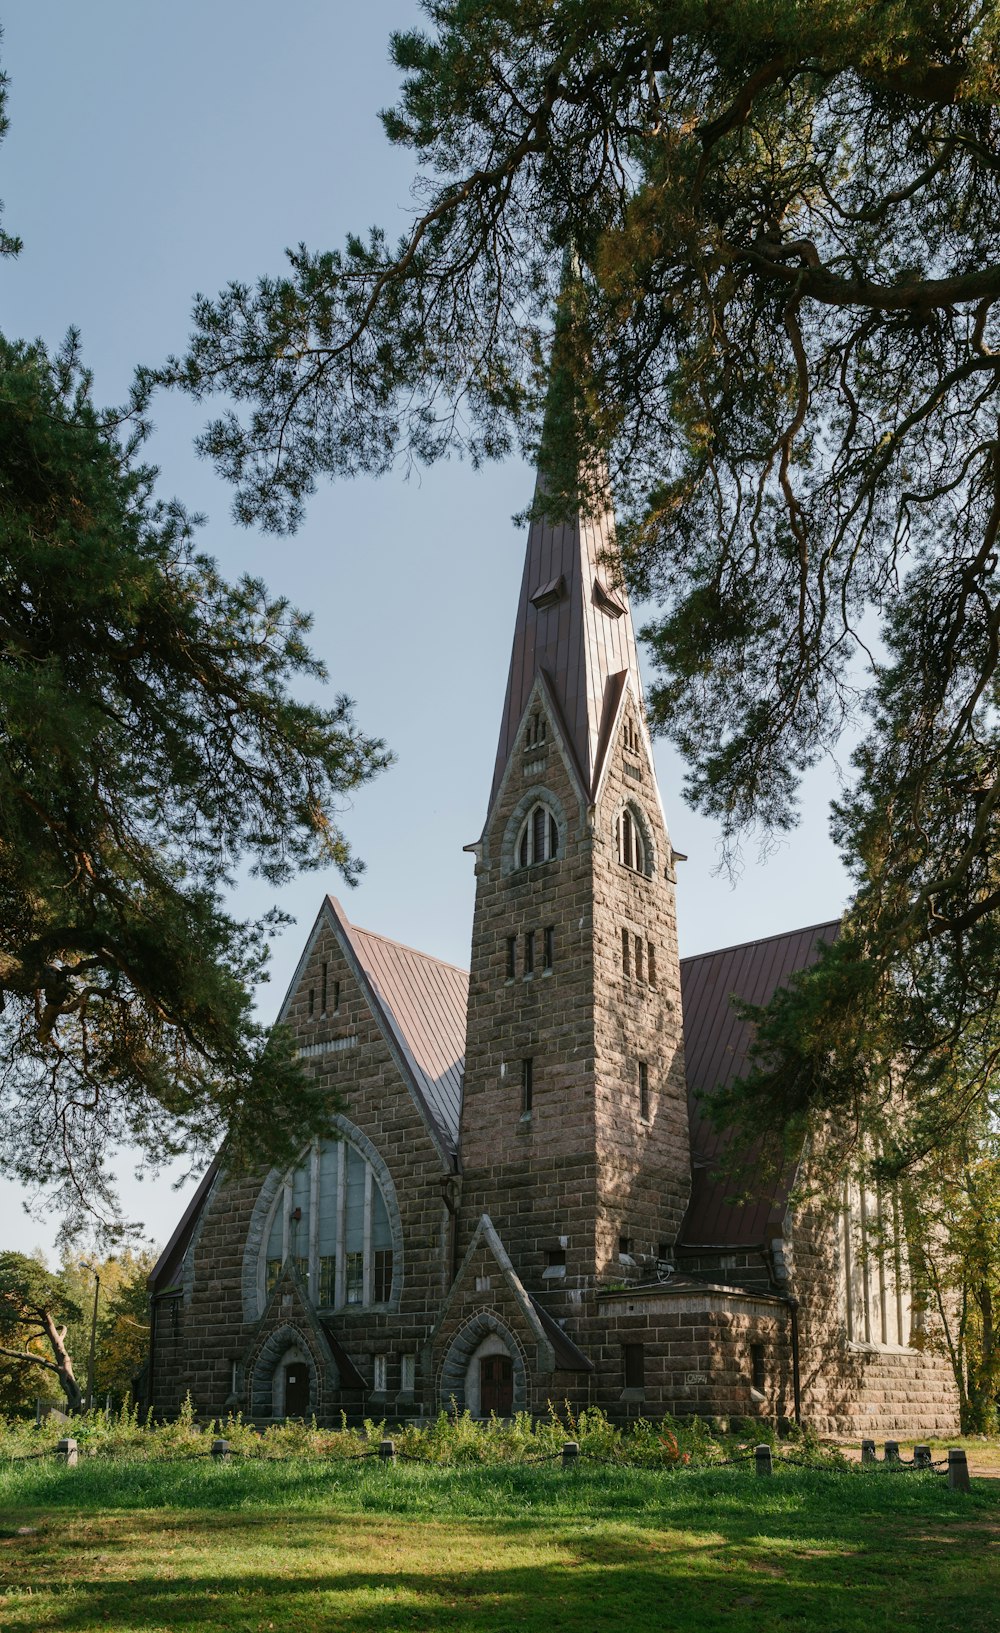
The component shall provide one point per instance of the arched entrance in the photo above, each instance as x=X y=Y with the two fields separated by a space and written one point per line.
x=484 y=1370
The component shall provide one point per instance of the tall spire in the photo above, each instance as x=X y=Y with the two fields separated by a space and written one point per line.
x=574 y=630
x=574 y=625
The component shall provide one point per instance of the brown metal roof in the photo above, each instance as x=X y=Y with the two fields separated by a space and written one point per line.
x=571 y=639
x=716 y=1041
x=424 y=1003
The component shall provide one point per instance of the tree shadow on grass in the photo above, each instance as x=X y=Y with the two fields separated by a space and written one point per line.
x=582 y=1579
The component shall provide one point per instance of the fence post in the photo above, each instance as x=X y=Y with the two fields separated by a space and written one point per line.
x=387 y=1451
x=762 y=1457
x=68 y=1451
x=868 y=1451
x=958 y=1469
x=570 y=1454
x=220 y=1450
x=922 y=1457
x=892 y=1451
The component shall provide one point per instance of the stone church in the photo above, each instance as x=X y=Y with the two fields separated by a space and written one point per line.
x=524 y=1202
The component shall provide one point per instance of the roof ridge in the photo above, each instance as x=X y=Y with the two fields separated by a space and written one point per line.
x=759 y=941
x=404 y=946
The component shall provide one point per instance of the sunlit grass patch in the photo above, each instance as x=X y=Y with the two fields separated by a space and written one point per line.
x=297 y=1546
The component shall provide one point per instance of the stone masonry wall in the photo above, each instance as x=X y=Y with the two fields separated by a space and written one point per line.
x=644 y=1161
x=697 y=1352
x=536 y=1176
x=213 y=1330
x=585 y=1168
x=854 y=1389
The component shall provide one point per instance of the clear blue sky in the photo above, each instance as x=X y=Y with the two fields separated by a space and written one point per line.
x=159 y=151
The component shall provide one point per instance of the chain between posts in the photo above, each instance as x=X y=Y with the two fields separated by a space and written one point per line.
x=571 y=1455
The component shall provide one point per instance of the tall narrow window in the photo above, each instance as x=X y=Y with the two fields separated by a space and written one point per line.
x=757 y=1372
x=511 y=957
x=631 y=846
x=407 y=1374
x=336 y=996
x=527 y=1086
x=548 y=947
x=634 y=1359
x=312 y=1001
x=644 y=1091
x=651 y=963
x=538 y=840
x=626 y=953
x=529 y=952
x=638 y=958
x=380 y=1374
x=323 y=988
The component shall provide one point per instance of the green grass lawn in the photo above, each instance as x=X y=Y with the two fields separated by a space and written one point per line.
x=274 y=1548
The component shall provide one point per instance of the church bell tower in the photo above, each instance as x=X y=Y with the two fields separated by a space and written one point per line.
x=574 y=1133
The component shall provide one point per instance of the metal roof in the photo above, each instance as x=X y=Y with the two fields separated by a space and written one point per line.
x=424 y=1003
x=578 y=639
x=716 y=1042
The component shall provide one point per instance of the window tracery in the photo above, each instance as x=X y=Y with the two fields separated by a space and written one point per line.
x=538 y=840
x=330 y=1219
x=632 y=843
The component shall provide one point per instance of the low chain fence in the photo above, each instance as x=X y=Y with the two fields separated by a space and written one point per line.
x=571 y=1455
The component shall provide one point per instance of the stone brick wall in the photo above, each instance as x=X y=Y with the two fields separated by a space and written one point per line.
x=585 y=1168
x=855 y=1389
x=697 y=1354
x=195 y=1347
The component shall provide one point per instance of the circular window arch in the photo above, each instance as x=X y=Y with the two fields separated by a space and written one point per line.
x=634 y=841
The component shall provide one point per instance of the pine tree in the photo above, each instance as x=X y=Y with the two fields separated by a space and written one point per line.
x=787 y=220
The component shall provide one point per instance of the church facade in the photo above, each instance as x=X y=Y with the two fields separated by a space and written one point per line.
x=524 y=1204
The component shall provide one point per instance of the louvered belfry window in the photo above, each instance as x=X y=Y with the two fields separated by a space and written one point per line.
x=538 y=840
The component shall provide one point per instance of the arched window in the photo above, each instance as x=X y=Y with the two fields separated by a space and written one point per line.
x=331 y=1220
x=538 y=840
x=630 y=842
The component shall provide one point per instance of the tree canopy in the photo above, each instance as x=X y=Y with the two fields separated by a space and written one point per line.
x=151 y=746
x=784 y=345
x=36 y=1309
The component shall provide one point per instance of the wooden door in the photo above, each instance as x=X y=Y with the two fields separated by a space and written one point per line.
x=296 y=1390
x=496 y=1385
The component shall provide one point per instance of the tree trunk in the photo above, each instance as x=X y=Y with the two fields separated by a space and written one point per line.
x=63 y=1363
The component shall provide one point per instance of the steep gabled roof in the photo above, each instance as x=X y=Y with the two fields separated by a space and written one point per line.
x=424 y=1003
x=573 y=628
x=716 y=1042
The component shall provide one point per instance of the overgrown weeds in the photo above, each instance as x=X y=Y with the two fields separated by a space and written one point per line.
x=450 y=1439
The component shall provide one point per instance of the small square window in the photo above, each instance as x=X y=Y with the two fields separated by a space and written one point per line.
x=625 y=1246
x=556 y=1256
